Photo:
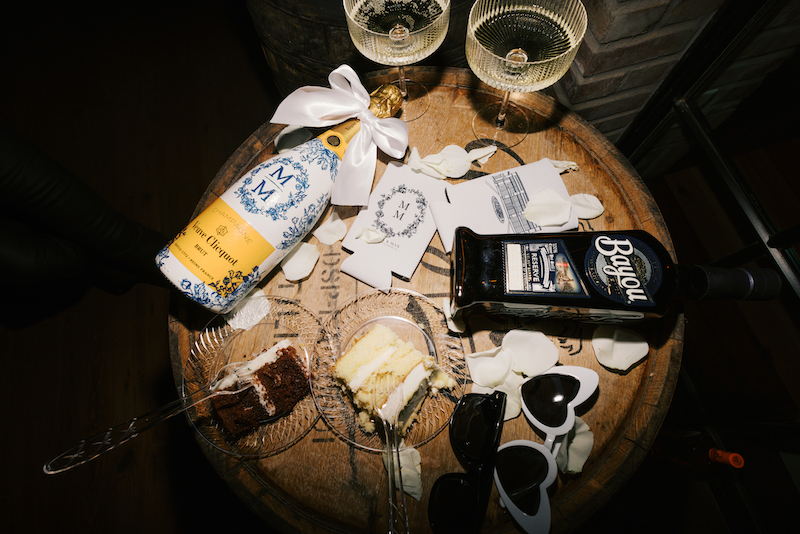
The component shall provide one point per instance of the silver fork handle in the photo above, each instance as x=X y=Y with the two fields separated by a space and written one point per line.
x=398 y=517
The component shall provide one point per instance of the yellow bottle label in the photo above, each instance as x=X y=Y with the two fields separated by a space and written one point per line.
x=221 y=248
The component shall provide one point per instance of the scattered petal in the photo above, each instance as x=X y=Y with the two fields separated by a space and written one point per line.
x=410 y=469
x=563 y=166
x=482 y=155
x=299 y=263
x=511 y=388
x=532 y=352
x=490 y=367
x=249 y=312
x=548 y=208
x=522 y=353
x=332 y=230
x=371 y=235
x=429 y=167
x=575 y=448
x=453 y=324
x=587 y=206
x=452 y=162
x=456 y=161
x=618 y=348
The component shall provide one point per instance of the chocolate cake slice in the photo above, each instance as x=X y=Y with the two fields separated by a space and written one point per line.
x=279 y=377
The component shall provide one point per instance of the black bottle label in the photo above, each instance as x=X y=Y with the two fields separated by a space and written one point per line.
x=623 y=269
x=541 y=268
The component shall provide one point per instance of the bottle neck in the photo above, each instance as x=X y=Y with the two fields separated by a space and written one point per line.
x=695 y=282
x=337 y=138
x=692 y=282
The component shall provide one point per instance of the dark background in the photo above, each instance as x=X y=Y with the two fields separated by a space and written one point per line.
x=145 y=102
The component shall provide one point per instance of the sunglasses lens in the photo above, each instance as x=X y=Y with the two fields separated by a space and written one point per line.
x=521 y=470
x=453 y=505
x=547 y=396
x=476 y=425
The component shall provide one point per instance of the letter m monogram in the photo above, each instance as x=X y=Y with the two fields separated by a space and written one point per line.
x=262 y=194
x=401 y=210
x=280 y=178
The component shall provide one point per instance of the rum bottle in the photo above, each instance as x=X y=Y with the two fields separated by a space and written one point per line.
x=610 y=276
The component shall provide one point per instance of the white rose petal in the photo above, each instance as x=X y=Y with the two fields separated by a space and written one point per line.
x=489 y=368
x=458 y=161
x=563 y=166
x=429 y=166
x=587 y=206
x=371 y=235
x=618 y=348
x=482 y=155
x=548 y=208
x=452 y=162
x=411 y=470
x=332 y=230
x=452 y=324
x=532 y=352
x=511 y=388
x=299 y=263
x=575 y=448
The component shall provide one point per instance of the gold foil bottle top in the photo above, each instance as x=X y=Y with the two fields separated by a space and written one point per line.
x=385 y=101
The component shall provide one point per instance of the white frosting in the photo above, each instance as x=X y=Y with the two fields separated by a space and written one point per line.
x=267 y=403
x=404 y=392
x=365 y=371
x=245 y=371
x=265 y=358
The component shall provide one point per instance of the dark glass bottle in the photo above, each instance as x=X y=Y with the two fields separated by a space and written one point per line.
x=611 y=276
x=693 y=450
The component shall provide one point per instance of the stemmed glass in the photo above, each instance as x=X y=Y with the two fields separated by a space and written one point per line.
x=519 y=46
x=399 y=33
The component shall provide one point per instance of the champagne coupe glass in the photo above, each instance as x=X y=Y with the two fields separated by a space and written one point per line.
x=399 y=33
x=519 y=46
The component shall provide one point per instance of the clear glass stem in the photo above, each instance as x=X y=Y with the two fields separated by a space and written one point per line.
x=500 y=121
x=402 y=83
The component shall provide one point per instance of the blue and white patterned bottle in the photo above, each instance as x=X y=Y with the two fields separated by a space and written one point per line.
x=245 y=233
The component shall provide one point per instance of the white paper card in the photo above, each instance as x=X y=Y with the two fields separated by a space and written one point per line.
x=494 y=204
x=400 y=208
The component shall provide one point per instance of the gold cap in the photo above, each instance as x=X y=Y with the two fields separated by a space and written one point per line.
x=385 y=101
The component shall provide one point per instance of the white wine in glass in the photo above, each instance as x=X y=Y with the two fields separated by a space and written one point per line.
x=519 y=46
x=399 y=33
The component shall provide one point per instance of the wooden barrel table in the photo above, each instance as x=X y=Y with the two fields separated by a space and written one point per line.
x=321 y=483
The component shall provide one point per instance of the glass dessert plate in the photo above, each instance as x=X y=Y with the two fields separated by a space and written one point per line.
x=219 y=344
x=414 y=318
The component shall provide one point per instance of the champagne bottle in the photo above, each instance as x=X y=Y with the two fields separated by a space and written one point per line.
x=237 y=240
x=612 y=276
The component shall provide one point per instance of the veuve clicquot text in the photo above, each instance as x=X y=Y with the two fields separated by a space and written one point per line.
x=611 y=276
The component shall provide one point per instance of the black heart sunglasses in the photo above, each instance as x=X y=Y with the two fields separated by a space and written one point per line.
x=522 y=470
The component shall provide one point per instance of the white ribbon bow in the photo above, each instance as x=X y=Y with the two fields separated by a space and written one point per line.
x=347 y=98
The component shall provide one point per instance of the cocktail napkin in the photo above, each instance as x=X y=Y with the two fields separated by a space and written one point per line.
x=399 y=208
x=494 y=204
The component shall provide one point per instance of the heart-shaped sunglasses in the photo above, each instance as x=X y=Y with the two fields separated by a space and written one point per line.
x=523 y=470
x=458 y=501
